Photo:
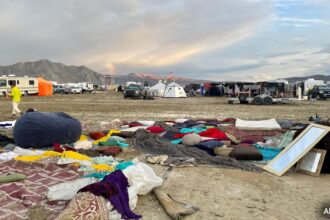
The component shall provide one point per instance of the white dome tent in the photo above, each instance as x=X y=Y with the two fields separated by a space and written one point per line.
x=157 y=90
x=174 y=90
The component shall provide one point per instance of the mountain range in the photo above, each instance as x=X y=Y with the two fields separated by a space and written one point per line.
x=63 y=74
x=53 y=72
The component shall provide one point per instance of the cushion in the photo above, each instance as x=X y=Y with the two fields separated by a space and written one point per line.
x=191 y=139
x=245 y=152
x=155 y=129
x=214 y=133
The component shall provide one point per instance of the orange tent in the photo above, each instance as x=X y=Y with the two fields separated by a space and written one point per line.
x=45 y=87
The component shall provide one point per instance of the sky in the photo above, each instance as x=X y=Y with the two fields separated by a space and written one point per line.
x=201 y=39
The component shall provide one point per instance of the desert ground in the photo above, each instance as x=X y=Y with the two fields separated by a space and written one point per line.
x=219 y=193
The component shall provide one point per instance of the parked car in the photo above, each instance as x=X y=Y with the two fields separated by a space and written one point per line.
x=60 y=89
x=134 y=91
x=319 y=92
x=75 y=90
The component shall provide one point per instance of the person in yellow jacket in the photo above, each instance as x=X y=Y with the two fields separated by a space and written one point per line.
x=16 y=97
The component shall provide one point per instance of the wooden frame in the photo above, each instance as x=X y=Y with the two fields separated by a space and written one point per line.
x=297 y=149
x=314 y=160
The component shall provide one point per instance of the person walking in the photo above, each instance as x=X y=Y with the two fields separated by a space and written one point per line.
x=16 y=98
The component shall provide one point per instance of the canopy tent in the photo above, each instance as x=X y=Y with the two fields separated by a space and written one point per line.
x=45 y=88
x=174 y=90
x=157 y=90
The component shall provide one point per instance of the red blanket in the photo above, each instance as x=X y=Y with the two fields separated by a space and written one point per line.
x=18 y=197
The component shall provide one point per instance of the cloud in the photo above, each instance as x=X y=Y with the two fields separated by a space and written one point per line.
x=130 y=34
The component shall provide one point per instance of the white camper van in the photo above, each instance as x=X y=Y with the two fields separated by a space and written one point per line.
x=86 y=87
x=27 y=85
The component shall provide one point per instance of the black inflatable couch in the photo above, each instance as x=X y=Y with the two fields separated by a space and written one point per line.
x=43 y=129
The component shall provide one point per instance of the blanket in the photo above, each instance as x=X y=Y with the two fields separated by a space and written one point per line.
x=257 y=125
x=18 y=197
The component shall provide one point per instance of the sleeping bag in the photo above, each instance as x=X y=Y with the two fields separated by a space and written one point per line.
x=42 y=129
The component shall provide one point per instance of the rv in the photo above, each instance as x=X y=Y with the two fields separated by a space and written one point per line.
x=86 y=87
x=27 y=85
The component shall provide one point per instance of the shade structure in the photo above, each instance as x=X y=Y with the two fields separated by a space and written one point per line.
x=45 y=87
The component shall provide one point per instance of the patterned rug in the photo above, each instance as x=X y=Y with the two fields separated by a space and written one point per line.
x=18 y=197
x=86 y=205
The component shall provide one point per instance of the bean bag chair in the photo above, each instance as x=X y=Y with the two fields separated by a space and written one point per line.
x=42 y=129
x=246 y=152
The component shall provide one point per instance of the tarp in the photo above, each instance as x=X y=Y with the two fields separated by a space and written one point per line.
x=45 y=88
x=270 y=124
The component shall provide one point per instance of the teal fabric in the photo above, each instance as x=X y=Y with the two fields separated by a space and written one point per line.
x=192 y=130
x=286 y=140
x=177 y=141
x=124 y=165
x=268 y=153
x=114 y=142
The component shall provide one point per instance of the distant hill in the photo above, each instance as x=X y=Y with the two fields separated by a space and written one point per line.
x=53 y=71
x=326 y=78
x=153 y=78
x=62 y=73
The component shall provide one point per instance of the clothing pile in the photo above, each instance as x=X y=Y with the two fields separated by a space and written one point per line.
x=73 y=171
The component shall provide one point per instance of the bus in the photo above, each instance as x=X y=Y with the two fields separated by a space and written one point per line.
x=27 y=85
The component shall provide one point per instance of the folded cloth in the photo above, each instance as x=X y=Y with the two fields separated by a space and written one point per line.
x=214 y=133
x=135 y=124
x=85 y=145
x=208 y=146
x=112 y=142
x=169 y=135
x=155 y=129
x=268 y=153
x=97 y=135
x=114 y=188
x=109 y=151
x=12 y=177
x=60 y=148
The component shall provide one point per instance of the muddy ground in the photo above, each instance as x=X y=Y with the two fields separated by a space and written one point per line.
x=219 y=193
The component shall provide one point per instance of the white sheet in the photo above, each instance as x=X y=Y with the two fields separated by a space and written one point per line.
x=270 y=124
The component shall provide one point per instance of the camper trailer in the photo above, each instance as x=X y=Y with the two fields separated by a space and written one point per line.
x=28 y=85
x=86 y=87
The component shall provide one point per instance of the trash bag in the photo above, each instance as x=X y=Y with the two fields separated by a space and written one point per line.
x=42 y=129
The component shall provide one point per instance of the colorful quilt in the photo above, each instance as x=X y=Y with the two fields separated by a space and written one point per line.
x=18 y=197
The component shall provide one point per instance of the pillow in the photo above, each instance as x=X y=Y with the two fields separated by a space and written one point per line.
x=245 y=152
x=191 y=139
x=155 y=129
